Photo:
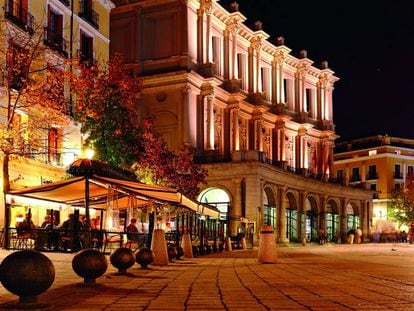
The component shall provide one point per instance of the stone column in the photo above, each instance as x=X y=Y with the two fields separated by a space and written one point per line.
x=236 y=206
x=234 y=67
x=322 y=213
x=235 y=124
x=258 y=144
x=343 y=221
x=210 y=122
x=186 y=121
x=200 y=36
x=209 y=50
x=302 y=216
x=364 y=221
x=281 y=236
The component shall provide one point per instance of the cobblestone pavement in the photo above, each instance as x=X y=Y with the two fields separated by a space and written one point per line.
x=340 y=277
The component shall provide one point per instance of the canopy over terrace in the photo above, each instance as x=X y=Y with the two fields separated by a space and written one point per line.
x=72 y=192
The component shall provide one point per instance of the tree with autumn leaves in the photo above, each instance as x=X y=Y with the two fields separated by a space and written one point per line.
x=33 y=99
x=402 y=203
x=107 y=99
x=158 y=165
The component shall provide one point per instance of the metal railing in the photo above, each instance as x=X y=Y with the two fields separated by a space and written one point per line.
x=18 y=15
x=88 y=14
x=55 y=41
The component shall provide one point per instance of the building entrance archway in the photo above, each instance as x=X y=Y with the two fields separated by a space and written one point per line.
x=292 y=218
x=311 y=211
x=332 y=221
x=220 y=199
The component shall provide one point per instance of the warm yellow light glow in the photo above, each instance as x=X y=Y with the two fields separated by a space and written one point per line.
x=89 y=153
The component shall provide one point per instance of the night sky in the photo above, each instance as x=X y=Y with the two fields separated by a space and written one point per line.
x=369 y=46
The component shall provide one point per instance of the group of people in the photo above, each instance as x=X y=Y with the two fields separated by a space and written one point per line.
x=354 y=235
x=46 y=238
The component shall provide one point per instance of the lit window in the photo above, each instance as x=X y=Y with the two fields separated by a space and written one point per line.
x=398 y=152
x=372 y=152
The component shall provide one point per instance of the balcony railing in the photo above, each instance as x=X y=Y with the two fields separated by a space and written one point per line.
x=55 y=41
x=372 y=175
x=65 y=2
x=398 y=175
x=88 y=14
x=19 y=16
x=86 y=59
x=355 y=178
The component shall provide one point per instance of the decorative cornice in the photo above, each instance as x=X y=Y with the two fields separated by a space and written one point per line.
x=107 y=4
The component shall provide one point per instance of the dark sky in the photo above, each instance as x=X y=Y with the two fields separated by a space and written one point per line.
x=369 y=44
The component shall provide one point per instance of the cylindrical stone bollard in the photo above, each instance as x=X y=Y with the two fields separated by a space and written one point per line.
x=267 y=245
x=159 y=247
x=228 y=244
x=244 y=243
x=187 y=246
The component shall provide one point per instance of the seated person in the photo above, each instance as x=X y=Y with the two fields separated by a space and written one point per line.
x=24 y=228
x=132 y=230
x=72 y=229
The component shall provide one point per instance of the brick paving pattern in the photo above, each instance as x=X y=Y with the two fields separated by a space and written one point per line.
x=341 y=277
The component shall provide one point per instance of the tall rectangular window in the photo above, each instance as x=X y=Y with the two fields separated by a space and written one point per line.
x=86 y=49
x=266 y=89
x=397 y=171
x=54 y=31
x=216 y=44
x=355 y=174
x=372 y=172
x=410 y=170
x=241 y=68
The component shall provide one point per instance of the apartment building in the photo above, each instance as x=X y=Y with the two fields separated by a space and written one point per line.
x=380 y=163
x=63 y=29
x=259 y=116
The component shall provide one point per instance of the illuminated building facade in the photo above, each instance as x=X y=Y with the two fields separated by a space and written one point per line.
x=259 y=118
x=379 y=163
x=68 y=28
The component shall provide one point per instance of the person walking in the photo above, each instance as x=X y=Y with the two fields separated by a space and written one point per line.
x=351 y=235
x=358 y=236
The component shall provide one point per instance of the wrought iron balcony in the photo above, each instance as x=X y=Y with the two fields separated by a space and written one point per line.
x=19 y=16
x=86 y=58
x=372 y=175
x=355 y=178
x=65 y=2
x=397 y=175
x=55 y=41
x=88 y=14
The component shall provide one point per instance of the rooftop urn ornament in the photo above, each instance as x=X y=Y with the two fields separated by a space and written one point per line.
x=280 y=40
x=258 y=25
x=234 y=6
x=122 y=258
x=27 y=274
x=303 y=54
x=89 y=264
x=324 y=65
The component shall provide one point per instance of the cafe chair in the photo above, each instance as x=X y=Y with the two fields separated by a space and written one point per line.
x=111 y=241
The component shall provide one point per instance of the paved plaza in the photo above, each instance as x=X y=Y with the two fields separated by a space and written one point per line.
x=340 y=277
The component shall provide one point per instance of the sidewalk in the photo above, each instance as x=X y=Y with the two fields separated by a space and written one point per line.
x=340 y=277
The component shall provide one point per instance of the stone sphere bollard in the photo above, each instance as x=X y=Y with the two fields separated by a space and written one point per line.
x=267 y=245
x=89 y=264
x=172 y=253
x=144 y=256
x=27 y=273
x=122 y=258
x=180 y=252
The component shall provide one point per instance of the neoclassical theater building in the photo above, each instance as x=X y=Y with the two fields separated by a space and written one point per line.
x=259 y=118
